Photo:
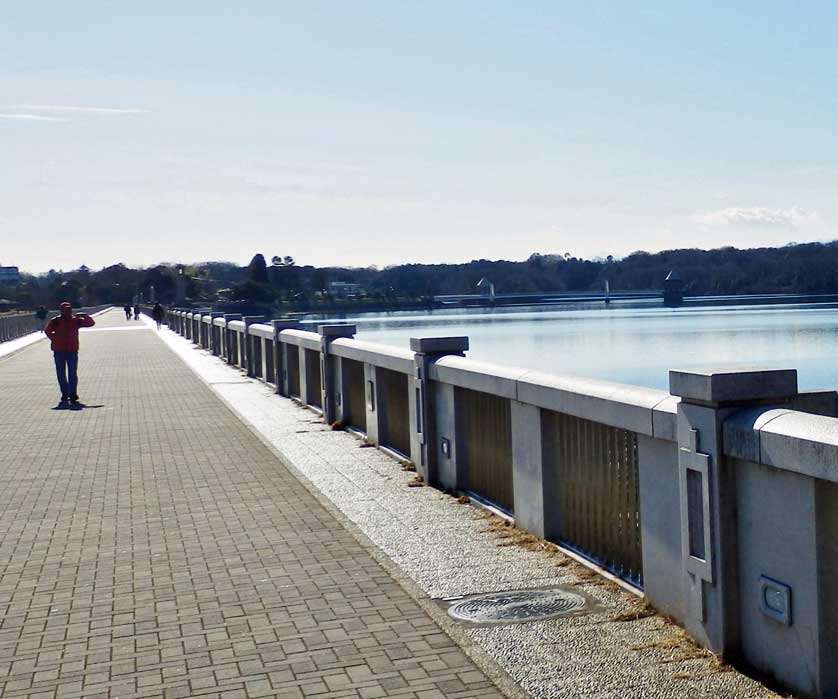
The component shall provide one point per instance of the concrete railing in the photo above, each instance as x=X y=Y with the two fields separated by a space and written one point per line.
x=719 y=498
x=20 y=324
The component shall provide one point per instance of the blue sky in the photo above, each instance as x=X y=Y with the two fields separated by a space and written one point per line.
x=386 y=132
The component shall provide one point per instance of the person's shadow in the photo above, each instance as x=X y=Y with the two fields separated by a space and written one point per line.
x=76 y=406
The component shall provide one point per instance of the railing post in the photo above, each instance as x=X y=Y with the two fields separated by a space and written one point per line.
x=708 y=494
x=329 y=387
x=230 y=345
x=248 y=359
x=302 y=359
x=280 y=355
x=423 y=446
x=372 y=401
x=528 y=477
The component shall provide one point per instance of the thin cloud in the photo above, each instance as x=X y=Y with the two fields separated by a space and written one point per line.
x=757 y=216
x=77 y=110
x=30 y=117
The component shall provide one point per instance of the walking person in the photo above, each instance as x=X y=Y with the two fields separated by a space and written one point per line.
x=158 y=313
x=127 y=309
x=63 y=332
x=136 y=311
x=41 y=315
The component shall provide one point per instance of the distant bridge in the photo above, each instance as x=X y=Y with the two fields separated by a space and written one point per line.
x=515 y=299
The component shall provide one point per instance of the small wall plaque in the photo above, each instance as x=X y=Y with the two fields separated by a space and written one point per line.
x=775 y=600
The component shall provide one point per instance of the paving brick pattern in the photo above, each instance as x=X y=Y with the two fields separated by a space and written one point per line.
x=152 y=546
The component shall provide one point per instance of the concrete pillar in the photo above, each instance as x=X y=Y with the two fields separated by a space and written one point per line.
x=280 y=363
x=230 y=342
x=303 y=360
x=372 y=400
x=248 y=358
x=450 y=473
x=330 y=389
x=529 y=484
x=423 y=439
x=707 y=489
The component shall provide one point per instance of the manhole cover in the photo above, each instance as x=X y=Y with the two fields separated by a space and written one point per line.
x=517 y=605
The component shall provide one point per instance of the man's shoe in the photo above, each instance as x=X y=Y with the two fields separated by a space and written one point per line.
x=64 y=402
x=74 y=399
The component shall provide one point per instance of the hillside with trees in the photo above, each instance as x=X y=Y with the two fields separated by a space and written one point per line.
x=283 y=285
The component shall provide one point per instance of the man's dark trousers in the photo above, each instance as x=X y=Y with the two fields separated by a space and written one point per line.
x=66 y=366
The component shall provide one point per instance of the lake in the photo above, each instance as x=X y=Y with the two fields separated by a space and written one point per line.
x=632 y=342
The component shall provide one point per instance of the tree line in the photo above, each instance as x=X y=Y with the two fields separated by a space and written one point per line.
x=282 y=284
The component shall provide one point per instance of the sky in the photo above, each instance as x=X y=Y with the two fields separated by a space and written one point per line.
x=385 y=132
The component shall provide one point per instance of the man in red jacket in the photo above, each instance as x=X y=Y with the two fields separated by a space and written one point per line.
x=63 y=332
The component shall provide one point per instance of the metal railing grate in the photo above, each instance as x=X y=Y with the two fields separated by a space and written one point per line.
x=596 y=469
x=313 y=384
x=395 y=419
x=293 y=369
x=354 y=395
x=484 y=430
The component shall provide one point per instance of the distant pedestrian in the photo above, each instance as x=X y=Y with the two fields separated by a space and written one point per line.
x=158 y=314
x=63 y=332
x=41 y=315
x=127 y=309
x=136 y=311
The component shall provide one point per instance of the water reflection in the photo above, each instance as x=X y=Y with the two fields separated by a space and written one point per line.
x=633 y=342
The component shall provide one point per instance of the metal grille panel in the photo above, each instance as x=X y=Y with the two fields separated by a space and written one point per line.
x=313 y=378
x=293 y=368
x=597 y=481
x=395 y=404
x=270 y=374
x=354 y=397
x=256 y=360
x=484 y=430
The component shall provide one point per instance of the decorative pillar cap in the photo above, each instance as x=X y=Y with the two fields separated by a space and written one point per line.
x=438 y=345
x=732 y=384
x=337 y=330
x=285 y=323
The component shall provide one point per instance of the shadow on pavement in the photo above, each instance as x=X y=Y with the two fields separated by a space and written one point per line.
x=77 y=406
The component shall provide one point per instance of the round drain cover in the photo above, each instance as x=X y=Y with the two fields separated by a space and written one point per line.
x=518 y=605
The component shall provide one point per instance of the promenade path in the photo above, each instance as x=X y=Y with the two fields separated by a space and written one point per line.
x=152 y=546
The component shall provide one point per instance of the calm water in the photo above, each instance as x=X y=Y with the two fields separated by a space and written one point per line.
x=633 y=343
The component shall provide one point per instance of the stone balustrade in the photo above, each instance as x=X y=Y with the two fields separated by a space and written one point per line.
x=718 y=499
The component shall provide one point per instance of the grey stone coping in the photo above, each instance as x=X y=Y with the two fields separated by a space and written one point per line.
x=261 y=330
x=478 y=376
x=385 y=356
x=301 y=338
x=642 y=410
x=664 y=419
x=237 y=325
x=729 y=384
x=785 y=439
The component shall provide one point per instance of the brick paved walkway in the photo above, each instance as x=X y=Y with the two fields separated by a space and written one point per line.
x=152 y=546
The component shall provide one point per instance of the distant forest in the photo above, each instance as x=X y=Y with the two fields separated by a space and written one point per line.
x=281 y=283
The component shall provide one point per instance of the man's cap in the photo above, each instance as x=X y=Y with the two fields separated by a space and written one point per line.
x=65 y=304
